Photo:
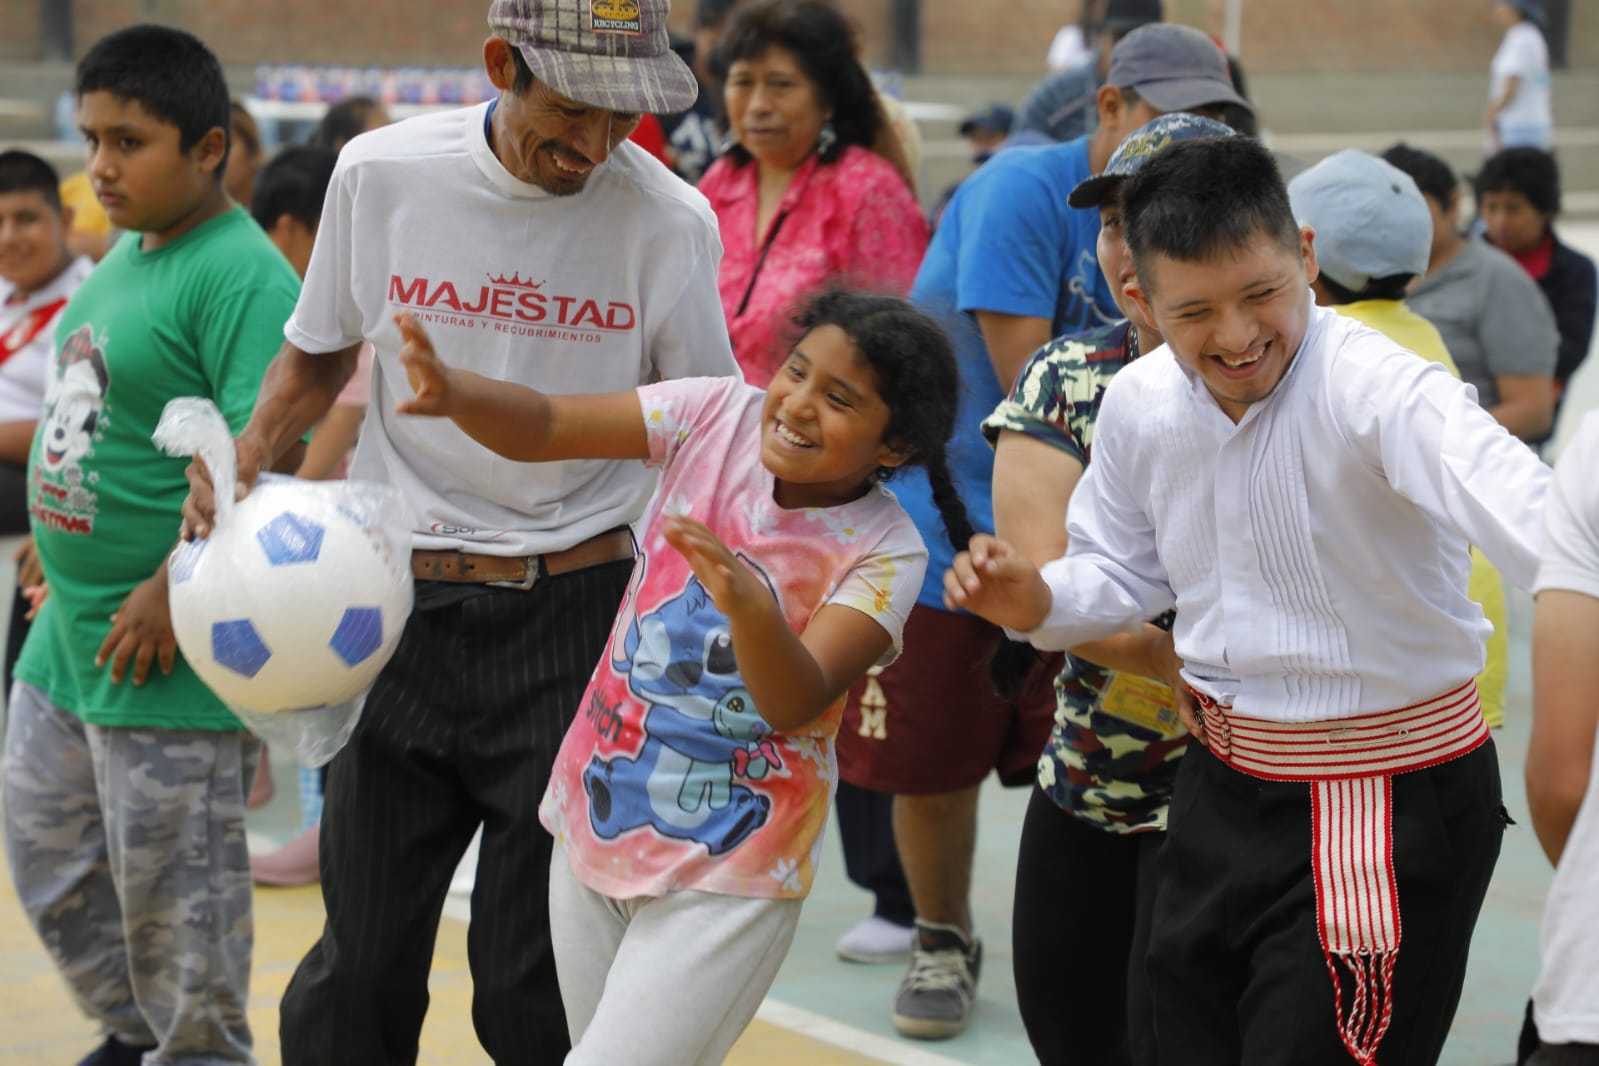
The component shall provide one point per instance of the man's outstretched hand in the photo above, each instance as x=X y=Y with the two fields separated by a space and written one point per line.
x=993 y=580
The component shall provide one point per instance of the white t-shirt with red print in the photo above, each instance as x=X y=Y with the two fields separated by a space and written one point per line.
x=606 y=289
x=28 y=340
x=669 y=778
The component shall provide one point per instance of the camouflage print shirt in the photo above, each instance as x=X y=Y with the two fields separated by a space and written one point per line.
x=1101 y=767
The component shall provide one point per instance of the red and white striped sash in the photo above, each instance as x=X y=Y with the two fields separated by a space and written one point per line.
x=1349 y=764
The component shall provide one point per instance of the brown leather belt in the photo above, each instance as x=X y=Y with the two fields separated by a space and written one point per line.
x=520 y=571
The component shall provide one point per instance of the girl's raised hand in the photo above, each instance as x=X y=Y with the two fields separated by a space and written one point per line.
x=429 y=377
x=995 y=581
x=732 y=585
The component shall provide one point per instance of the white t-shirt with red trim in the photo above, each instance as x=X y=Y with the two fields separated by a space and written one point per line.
x=28 y=340
x=669 y=778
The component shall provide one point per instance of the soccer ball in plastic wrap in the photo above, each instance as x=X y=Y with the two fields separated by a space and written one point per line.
x=296 y=599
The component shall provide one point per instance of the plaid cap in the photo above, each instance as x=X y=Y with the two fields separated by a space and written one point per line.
x=1139 y=147
x=611 y=54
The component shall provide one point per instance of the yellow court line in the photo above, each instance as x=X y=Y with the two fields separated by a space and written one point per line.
x=40 y=1026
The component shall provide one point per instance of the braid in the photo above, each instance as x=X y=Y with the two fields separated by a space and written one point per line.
x=1011 y=665
x=951 y=509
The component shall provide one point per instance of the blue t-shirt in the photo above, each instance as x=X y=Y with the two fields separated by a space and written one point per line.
x=1007 y=243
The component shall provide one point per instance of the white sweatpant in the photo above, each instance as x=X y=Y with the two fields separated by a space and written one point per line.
x=662 y=981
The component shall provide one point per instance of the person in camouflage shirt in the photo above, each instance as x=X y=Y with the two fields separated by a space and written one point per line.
x=1112 y=768
x=1106 y=775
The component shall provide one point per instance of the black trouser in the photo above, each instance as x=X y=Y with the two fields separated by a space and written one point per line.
x=871 y=859
x=1237 y=970
x=461 y=729
x=1532 y=1051
x=1079 y=937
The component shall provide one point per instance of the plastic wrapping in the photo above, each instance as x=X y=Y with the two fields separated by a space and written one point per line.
x=293 y=604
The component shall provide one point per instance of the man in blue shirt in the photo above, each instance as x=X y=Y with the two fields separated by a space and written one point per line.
x=1011 y=267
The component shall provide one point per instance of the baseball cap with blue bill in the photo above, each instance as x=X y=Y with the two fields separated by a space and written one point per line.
x=1370 y=219
x=1138 y=147
x=1175 y=68
x=610 y=54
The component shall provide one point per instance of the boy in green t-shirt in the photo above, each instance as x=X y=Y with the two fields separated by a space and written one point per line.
x=123 y=785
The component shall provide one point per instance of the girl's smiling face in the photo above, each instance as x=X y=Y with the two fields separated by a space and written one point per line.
x=823 y=423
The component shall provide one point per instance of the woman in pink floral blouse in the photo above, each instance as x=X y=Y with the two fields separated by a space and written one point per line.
x=815 y=189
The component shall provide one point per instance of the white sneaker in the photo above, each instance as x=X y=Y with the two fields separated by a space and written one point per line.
x=876 y=939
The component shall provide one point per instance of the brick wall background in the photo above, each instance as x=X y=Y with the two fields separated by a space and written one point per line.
x=958 y=36
x=19 y=29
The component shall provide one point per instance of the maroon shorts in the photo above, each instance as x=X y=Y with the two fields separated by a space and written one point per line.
x=932 y=721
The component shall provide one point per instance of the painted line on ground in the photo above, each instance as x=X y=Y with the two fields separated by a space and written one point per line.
x=829 y=1031
x=795 y=1019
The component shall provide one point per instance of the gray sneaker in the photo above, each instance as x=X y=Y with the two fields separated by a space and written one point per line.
x=934 y=1000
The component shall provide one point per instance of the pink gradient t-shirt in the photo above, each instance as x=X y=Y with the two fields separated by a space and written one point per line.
x=668 y=778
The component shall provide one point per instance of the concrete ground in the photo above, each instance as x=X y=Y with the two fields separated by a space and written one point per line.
x=823 y=1011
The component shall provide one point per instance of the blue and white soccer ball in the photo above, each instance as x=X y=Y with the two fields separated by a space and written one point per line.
x=297 y=599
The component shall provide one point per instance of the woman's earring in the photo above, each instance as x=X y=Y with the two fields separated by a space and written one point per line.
x=827 y=138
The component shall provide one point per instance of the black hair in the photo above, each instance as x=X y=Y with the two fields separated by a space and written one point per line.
x=1390 y=287
x=522 y=80
x=1203 y=198
x=168 y=73
x=1237 y=117
x=917 y=378
x=1532 y=172
x=293 y=183
x=349 y=117
x=1431 y=174
x=25 y=172
x=710 y=14
x=824 y=44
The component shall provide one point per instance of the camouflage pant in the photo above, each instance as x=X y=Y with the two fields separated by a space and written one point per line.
x=128 y=852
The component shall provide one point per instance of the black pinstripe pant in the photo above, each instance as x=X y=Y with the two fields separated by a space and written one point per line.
x=461 y=729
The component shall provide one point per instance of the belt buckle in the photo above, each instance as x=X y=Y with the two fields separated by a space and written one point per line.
x=534 y=564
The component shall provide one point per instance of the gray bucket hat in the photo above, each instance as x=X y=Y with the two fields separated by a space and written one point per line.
x=612 y=54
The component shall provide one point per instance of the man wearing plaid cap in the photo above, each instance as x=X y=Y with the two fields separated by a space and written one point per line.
x=537 y=246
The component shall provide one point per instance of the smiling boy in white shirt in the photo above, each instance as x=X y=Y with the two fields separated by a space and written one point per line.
x=1303 y=491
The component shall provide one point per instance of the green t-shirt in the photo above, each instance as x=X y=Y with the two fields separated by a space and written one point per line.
x=202 y=316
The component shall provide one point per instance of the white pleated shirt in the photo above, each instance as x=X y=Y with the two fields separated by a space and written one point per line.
x=1317 y=551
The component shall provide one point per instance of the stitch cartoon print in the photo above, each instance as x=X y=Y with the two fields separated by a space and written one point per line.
x=702 y=734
